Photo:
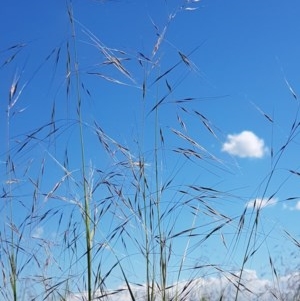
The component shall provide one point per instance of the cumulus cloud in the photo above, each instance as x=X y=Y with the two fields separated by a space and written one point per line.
x=252 y=287
x=245 y=145
x=261 y=202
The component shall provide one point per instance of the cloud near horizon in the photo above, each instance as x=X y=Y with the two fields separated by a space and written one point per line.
x=244 y=145
x=213 y=288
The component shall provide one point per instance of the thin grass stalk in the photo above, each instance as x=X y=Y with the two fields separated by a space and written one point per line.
x=12 y=252
x=161 y=236
x=86 y=213
x=13 y=275
x=181 y=266
x=147 y=224
x=148 y=276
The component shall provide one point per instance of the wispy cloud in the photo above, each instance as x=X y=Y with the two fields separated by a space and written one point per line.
x=38 y=232
x=245 y=145
x=293 y=208
x=214 y=288
x=262 y=202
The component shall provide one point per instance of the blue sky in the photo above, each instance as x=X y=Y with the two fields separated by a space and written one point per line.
x=242 y=72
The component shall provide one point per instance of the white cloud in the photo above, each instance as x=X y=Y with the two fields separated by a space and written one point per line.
x=292 y=208
x=245 y=145
x=38 y=232
x=261 y=203
x=252 y=287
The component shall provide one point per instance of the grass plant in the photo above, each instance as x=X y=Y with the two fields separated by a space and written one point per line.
x=118 y=219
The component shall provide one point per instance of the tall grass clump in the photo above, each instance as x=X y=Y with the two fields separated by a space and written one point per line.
x=98 y=208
